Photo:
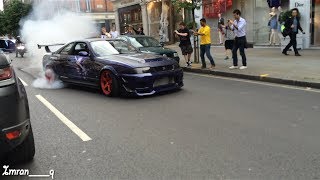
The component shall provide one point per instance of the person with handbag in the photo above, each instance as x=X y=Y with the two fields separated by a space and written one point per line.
x=292 y=25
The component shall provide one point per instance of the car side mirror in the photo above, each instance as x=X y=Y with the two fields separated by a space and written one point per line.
x=83 y=53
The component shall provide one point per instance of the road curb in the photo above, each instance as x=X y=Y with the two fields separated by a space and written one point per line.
x=255 y=78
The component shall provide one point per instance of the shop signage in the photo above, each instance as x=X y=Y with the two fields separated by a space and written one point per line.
x=297 y=4
x=124 y=2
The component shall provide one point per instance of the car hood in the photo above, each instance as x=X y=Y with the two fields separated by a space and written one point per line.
x=157 y=50
x=139 y=60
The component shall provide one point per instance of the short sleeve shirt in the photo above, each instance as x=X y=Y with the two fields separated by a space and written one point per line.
x=206 y=38
x=184 y=40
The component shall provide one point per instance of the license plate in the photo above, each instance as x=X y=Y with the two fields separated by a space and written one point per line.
x=163 y=81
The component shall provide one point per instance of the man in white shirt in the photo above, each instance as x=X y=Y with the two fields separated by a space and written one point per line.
x=104 y=33
x=114 y=33
x=239 y=28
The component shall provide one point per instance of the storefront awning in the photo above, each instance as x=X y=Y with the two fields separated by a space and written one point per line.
x=99 y=16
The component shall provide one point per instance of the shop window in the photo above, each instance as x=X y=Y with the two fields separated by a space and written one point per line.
x=211 y=8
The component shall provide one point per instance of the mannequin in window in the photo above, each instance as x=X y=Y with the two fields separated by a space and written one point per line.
x=273 y=21
x=274 y=3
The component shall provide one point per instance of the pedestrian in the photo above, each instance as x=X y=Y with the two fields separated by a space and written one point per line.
x=229 y=40
x=205 y=42
x=220 y=29
x=114 y=33
x=139 y=31
x=185 y=43
x=104 y=33
x=17 y=43
x=130 y=30
x=238 y=25
x=273 y=21
x=292 y=25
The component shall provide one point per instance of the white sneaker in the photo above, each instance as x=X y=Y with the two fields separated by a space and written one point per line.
x=243 y=67
x=233 y=67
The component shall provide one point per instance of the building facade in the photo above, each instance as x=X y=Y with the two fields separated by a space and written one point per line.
x=157 y=17
x=256 y=12
x=100 y=11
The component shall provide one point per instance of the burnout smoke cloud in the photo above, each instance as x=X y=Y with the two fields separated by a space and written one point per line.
x=50 y=24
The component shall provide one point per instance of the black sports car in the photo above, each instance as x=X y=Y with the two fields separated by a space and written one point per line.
x=16 y=137
x=114 y=66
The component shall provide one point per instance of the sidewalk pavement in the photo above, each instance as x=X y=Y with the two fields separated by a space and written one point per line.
x=265 y=64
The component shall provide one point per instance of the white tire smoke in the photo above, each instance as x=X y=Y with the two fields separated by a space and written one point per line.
x=46 y=25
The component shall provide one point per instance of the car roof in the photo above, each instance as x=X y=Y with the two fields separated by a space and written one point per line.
x=97 y=39
x=135 y=36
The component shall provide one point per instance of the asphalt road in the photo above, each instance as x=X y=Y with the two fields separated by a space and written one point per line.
x=215 y=128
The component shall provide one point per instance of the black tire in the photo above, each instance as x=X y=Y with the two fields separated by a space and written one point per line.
x=49 y=74
x=115 y=90
x=25 y=151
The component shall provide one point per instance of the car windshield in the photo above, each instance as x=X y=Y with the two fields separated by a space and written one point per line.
x=106 y=48
x=122 y=47
x=144 y=42
x=103 y=48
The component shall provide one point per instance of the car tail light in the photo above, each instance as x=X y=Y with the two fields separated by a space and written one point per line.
x=13 y=135
x=6 y=73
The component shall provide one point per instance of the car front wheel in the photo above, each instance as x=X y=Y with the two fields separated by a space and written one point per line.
x=109 y=84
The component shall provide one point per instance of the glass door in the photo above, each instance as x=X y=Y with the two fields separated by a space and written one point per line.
x=315 y=26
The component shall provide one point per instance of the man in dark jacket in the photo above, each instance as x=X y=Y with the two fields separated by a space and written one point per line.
x=139 y=31
x=292 y=25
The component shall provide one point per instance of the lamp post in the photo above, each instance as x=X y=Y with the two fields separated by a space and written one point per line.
x=195 y=38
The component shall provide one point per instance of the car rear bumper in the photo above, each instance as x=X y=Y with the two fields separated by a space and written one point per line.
x=14 y=114
x=9 y=144
x=148 y=84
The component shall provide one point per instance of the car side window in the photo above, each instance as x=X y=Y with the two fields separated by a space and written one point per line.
x=80 y=46
x=66 y=50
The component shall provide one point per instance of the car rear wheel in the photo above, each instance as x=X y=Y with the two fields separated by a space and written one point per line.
x=25 y=151
x=109 y=84
x=49 y=75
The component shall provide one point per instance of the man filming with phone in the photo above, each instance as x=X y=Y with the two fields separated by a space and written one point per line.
x=239 y=27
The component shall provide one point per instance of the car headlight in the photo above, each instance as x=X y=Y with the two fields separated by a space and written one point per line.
x=142 y=70
x=138 y=70
x=175 y=55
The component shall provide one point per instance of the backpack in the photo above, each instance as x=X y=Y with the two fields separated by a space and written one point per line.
x=285 y=31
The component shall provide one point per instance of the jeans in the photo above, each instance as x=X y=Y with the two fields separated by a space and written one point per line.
x=293 y=43
x=239 y=43
x=205 y=49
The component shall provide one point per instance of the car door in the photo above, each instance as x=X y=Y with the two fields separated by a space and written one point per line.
x=61 y=60
x=92 y=68
x=79 y=62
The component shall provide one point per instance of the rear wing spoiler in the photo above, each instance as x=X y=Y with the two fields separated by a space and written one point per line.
x=46 y=47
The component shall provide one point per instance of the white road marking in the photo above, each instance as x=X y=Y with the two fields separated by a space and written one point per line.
x=258 y=82
x=64 y=119
x=24 y=83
